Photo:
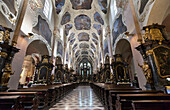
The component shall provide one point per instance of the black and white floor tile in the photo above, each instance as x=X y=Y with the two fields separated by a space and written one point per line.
x=81 y=98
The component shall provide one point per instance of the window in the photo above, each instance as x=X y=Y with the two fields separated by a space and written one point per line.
x=47 y=9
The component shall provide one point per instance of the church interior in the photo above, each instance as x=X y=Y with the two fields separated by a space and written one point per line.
x=84 y=54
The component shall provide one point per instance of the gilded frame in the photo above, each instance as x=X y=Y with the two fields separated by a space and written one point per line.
x=46 y=75
x=156 y=61
x=123 y=70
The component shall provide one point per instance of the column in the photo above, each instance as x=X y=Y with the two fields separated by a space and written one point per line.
x=19 y=23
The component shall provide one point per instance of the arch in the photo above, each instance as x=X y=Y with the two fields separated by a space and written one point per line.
x=158 y=11
x=123 y=47
x=37 y=46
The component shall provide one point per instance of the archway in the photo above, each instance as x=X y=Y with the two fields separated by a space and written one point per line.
x=123 y=47
x=33 y=56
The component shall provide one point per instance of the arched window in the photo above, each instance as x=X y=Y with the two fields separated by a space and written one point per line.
x=47 y=9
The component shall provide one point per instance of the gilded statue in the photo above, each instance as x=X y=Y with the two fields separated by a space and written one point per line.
x=6 y=74
x=147 y=72
x=7 y=36
x=147 y=34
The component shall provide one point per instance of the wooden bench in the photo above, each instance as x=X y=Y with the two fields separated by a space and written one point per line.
x=29 y=100
x=148 y=104
x=10 y=103
x=113 y=95
x=124 y=101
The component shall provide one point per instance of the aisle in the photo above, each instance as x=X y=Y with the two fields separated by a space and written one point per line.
x=82 y=98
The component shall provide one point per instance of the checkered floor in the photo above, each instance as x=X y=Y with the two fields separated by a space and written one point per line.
x=81 y=98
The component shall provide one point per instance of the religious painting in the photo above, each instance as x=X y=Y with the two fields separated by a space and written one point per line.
x=77 y=53
x=118 y=28
x=65 y=18
x=72 y=41
x=122 y=4
x=93 y=47
x=142 y=5
x=106 y=49
x=42 y=28
x=98 y=28
x=84 y=45
x=67 y=56
x=84 y=52
x=67 y=28
x=75 y=47
x=120 y=72
x=94 y=41
x=162 y=59
x=59 y=4
x=82 y=22
x=81 y=4
x=94 y=36
x=72 y=35
x=91 y=53
x=98 y=18
x=103 y=5
x=60 y=48
x=83 y=37
x=43 y=73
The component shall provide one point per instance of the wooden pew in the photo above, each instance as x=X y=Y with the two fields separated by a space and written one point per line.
x=29 y=100
x=113 y=95
x=124 y=101
x=10 y=103
x=42 y=96
x=148 y=104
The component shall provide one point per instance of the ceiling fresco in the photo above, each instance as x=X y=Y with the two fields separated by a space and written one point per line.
x=103 y=5
x=118 y=28
x=77 y=53
x=59 y=4
x=60 y=48
x=106 y=49
x=83 y=37
x=94 y=41
x=65 y=18
x=82 y=22
x=98 y=28
x=142 y=5
x=94 y=36
x=72 y=41
x=98 y=18
x=93 y=47
x=72 y=35
x=91 y=52
x=81 y=4
x=67 y=28
x=84 y=45
x=84 y=52
x=75 y=47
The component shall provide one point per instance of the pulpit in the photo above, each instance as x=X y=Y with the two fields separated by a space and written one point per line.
x=43 y=71
x=120 y=70
x=155 y=51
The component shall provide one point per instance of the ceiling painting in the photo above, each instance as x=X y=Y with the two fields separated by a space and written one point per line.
x=65 y=18
x=82 y=22
x=98 y=28
x=83 y=37
x=59 y=4
x=103 y=5
x=98 y=18
x=81 y=4
x=84 y=45
x=67 y=28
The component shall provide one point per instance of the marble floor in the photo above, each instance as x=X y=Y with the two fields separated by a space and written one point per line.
x=81 y=98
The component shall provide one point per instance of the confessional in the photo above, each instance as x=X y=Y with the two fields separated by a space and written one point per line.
x=120 y=70
x=155 y=51
x=7 y=53
x=43 y=71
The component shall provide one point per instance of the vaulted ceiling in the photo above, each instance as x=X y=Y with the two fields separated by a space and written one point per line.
x=82 y=22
